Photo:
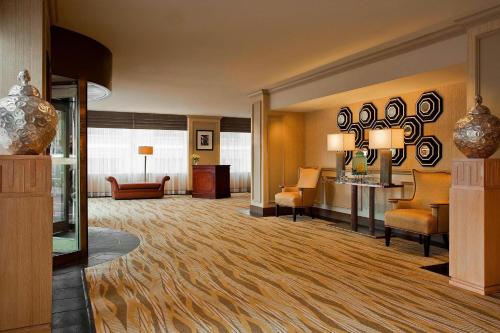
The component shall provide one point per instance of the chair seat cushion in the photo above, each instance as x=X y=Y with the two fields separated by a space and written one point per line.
x=139 y=186
x=289 y=199
x=416 y=220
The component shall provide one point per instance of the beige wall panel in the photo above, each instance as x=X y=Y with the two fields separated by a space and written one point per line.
x=256 y=151
x=22 y=36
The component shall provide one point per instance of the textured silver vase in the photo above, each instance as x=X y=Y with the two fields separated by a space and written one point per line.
x=28 y=124
x=477 y=135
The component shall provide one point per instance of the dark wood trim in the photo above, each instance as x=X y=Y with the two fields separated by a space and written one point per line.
x=77 y=56
x=82 y=97
x=257 y=211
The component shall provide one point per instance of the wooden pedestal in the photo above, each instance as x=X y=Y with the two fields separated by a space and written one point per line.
x=25 y=244
x=211 y=181
x=475 y=225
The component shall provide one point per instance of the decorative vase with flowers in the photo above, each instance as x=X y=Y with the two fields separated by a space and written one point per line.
x=195 y=158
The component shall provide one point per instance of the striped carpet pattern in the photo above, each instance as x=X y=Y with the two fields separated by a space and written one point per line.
x=206 y=266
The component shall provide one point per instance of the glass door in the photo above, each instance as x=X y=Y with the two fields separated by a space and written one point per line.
x=70 y=227
x=65 y=169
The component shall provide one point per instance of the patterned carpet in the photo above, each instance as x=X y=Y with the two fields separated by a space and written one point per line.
x=205 y=266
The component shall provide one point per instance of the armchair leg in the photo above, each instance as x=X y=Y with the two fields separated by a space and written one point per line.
x=277 y=210
x=294 y=211
x=300 y=211
x=420 y=239
x=427 y=244
x=312 y=212
x=446 y=241
x=388 y=232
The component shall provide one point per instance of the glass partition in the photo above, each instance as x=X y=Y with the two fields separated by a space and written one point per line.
x=65 y=167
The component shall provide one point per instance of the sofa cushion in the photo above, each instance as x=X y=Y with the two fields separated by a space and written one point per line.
x=415 y=220
x=139 y=186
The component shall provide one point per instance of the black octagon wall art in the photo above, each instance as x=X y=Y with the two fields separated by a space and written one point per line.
x=395 y=111
x=348 y=157
x=398 y=156
x=429 y=107
x=429 y=151
x=413 y=129
x=371 y=154
x=367 y=115
x=359 y=133
x=344 y=118
x=380 y=124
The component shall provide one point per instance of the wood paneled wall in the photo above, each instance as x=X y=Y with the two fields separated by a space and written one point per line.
x=23 y=42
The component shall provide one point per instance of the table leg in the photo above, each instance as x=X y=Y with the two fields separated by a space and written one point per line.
x=371 y=211
x=354 y=207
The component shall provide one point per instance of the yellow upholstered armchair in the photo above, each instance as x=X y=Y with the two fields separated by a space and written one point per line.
x=301 y=195
x=426 y=213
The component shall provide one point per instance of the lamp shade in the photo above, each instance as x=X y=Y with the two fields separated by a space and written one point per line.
x=387 y=138
x=341 y=142
x=145 y=150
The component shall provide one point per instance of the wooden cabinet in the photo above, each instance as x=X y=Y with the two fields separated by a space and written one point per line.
x=211 y=181
x=25 y=244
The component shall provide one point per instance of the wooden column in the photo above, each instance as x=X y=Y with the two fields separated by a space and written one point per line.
x=475 y=225
x=25 y=243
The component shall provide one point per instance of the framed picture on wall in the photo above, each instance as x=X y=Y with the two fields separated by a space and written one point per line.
x=204 y=140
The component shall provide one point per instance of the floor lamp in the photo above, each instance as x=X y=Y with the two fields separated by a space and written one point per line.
x=385 y=140
x=145 y=150
x=341 y=143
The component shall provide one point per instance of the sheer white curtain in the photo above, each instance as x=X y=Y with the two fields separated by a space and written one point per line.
x=113 y=152
x=235 y=150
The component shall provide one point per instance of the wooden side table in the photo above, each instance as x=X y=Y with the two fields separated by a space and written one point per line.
x=211 y=181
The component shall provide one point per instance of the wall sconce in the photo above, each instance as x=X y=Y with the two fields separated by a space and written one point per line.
x=340 y=143
x=385 y=140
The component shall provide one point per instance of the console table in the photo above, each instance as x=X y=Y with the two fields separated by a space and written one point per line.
x=354 y=200
x=211 y=181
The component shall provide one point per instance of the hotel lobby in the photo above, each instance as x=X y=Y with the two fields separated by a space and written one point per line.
x=264 y=166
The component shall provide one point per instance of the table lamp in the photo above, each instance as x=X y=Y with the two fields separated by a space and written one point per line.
x=385 y=140
x=145 y=150
x=340 y=143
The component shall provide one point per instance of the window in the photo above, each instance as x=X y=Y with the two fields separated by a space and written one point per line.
x=235 y=150
x=114 y=152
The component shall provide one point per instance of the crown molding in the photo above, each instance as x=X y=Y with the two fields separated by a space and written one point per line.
x=386 y=50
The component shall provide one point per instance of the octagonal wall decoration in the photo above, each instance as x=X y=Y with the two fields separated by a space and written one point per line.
x=380 y=124
x=395 y=111
x=429 y=106
x=413 y=129
x=348 y=157
x=359 y=133
x=371 y=154
x=429 y=151
x=398 y=156
x=367 y=115
x=344 y=118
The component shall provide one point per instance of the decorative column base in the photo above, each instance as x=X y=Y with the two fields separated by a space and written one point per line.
x=475 y=225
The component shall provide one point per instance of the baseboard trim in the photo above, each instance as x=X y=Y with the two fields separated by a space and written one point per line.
x=483 y=290
x=257 y=211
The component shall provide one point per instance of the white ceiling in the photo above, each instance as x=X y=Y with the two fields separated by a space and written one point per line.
x=204 y=57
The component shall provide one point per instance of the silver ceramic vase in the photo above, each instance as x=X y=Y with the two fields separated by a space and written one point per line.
x=28 y=124
x=477 y=135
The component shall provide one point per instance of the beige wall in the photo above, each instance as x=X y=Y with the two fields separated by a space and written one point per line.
x=286 y=149
x=206 y=156
x=23 y=42
x=320 y=123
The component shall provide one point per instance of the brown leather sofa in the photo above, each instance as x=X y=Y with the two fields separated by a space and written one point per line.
x=137 y=190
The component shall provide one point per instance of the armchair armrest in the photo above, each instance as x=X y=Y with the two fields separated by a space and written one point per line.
x=441 y=211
